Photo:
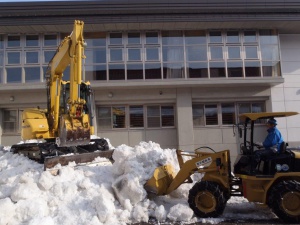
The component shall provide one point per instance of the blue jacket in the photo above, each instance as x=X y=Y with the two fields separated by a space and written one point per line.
x=273 y=138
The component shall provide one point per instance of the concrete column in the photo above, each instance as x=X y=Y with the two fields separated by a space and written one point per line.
x=185 y=130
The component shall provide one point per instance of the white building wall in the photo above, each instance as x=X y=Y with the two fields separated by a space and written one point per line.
x=286 y=97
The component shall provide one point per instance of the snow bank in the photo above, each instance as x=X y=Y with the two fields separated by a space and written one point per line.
x=107 y=194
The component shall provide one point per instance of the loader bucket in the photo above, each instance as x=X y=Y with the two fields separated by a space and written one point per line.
x=161 y=180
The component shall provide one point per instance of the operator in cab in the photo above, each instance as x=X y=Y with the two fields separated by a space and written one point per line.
x=271 y=145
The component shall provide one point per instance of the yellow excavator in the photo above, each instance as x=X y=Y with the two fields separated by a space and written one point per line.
x=275 y=183
x=66 y=125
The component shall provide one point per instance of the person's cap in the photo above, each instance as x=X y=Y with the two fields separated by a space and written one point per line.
x=272 y=121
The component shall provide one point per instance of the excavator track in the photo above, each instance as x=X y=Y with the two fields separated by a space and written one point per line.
x=50 y=154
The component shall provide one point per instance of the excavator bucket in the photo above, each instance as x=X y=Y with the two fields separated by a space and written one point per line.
x=161 y=180
x=64 y=160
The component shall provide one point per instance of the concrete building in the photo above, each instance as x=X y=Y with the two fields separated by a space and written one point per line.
x=174 y=72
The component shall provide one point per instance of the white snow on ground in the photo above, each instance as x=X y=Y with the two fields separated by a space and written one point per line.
x=109 y=194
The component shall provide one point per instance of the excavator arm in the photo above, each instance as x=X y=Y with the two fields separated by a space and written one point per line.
x=72 y=127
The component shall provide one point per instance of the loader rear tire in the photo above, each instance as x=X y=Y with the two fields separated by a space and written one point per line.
x=207 y=199
x=284 y=200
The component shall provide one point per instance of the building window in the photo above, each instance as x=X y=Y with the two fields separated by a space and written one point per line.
x=50 y=40
x=228 y=113
x=13 y=41
x=14 y=75
x=136 y=116
x=115 y=117
x=32 y=74
x=104 y=118
x=212 y=114
x=111 y=117
x=167 y=54
x=32 y=41
x=160 y=116
x=12 y=120
x=13 y=58
x=118 y=114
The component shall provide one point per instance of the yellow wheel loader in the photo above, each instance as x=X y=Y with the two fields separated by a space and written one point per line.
x=276 y=183
x=66 y=125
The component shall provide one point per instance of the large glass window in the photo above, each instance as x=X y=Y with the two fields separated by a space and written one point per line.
x=211 y=114
x=119 y=117
x=233 y=37
x=173 y=54
x=104 y=118
x=95 y=39
x=228 y=113
x=48 y=55
x=97 y=72
x=32 y=74
x=152 y=71
x=250 y=36
x=13 y=57
x=136 y=114
x=134 y=38
x=13 y=41
x=32 y=57
x=215 y=37
x=195 y=37
x=151 y=38
x=10 y=121
x=155 y=116
x=116 y=54
x=223 y=113
x=116 y=72
x=97 y=55
x=14 y=75
x=32 y=40
x=115 y=39
x=217 y=69
x=235 y=69
x=196 y=53
x=135 y=71
x=252 y=69
x=152 y=54
x=197 y=70
x=50 y=40
x=198 y=115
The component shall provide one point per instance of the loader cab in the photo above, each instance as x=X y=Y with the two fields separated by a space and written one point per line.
x=249 y=130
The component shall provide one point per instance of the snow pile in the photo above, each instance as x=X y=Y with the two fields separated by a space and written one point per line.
x=106 y=194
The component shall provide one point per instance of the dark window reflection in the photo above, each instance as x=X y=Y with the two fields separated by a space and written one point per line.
x=152 y=71
x=134 y=71
x=197 y=70
x=217 y=69
x=116 y=72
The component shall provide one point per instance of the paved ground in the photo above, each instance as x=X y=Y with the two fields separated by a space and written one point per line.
x=229 y=222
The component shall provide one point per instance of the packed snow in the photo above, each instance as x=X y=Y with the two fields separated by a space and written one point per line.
x=102 y=193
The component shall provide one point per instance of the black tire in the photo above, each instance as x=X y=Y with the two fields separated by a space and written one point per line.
x=206 y=199
x=102 y=144
x=284 y=200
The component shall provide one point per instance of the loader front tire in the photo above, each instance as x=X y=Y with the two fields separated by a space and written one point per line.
x=206 y=199
x=284 y=200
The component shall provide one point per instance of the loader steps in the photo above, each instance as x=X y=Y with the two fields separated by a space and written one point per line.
x=236 y=187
